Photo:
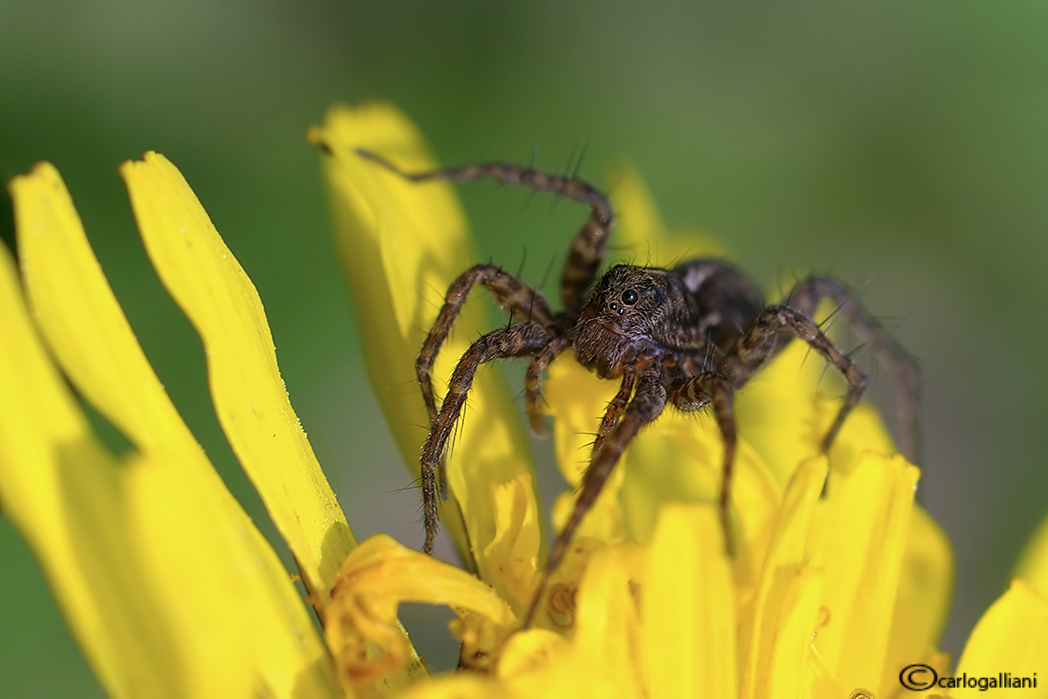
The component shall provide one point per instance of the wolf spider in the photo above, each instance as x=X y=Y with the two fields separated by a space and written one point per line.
x=690 y=336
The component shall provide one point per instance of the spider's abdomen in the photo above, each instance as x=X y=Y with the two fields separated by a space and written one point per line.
x=726 y=301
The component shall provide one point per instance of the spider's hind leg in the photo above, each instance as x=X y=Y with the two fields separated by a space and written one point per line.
x=589 y=244
x=807 y=295
x=770 y=333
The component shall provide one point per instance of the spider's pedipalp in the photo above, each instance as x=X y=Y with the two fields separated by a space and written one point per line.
x=614 y=410
x=517 y=340
x=533 y=380
x=716 y=390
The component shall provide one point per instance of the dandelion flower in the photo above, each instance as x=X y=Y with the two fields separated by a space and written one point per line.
x=172 y=592
x=826 y=596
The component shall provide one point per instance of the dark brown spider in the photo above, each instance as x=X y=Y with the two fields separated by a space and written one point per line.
x=690 y=336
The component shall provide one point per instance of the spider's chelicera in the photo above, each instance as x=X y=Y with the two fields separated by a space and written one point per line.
x=689 y=336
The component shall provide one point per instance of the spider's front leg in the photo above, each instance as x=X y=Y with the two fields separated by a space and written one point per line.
x=522 y=301
x=649 y=399
x=806 y=297
x=516 y=340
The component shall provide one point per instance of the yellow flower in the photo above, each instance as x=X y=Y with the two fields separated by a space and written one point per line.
x=168 y=586
x=171 y=591
x=839 y=583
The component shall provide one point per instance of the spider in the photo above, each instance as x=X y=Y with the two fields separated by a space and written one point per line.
x=690 y=337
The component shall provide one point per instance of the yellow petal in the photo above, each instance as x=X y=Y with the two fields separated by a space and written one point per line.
x=1011 y=637
x=688 y=635
x=783 y=416
x=861 y=547
x=362 y=630
x=680 y=459
x=923 y=602
x=1033 y=564
x=167 y=585
x=784 y=651
x=640 y=233
x=402 y=244
x=602 y=658
x=578 y=399
x=777 y=411
x=459 y=686
x=512 y=556
x=606 y=624
x=249 y=396
x=788 y=601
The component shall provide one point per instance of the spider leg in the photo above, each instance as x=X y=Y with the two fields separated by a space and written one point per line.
x=615 y=408
x=533 y=381
x=698 y=393
x=513 y=341
x=648 y=401
x=589 y=244
x=523 y=302
x=806 y=297
x=766 y=337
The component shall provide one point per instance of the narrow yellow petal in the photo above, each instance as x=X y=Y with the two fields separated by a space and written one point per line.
x=362 y=630
x=923 y=603
x=460 y=686
x=512 y=556
x=602 y=660
x=777 y=413
x=402 y=245
x=776 y=634
x=688 y=635
x=680 y=459
x=640 y=233
x=529 y=652
x=1033 y=564
x=1011 y=637
x=639 y=225
x=607 y=626
x=167 y=585
x=783 y=647
x=250 y=399
x=77 y=312
x=861 y=547
x=47 y=454
x=784 y=417
x=578 y=399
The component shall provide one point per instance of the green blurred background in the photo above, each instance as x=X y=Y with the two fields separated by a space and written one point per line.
x=899 y=146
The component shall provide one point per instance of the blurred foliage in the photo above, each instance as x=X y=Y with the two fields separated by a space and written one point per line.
x=899 y=146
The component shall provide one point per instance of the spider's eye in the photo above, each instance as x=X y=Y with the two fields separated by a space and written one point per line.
x=629 y=297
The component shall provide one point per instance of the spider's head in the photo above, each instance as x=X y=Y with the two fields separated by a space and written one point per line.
x=628 y=310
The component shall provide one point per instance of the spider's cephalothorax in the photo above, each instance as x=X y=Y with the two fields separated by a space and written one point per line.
x=690 y=336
